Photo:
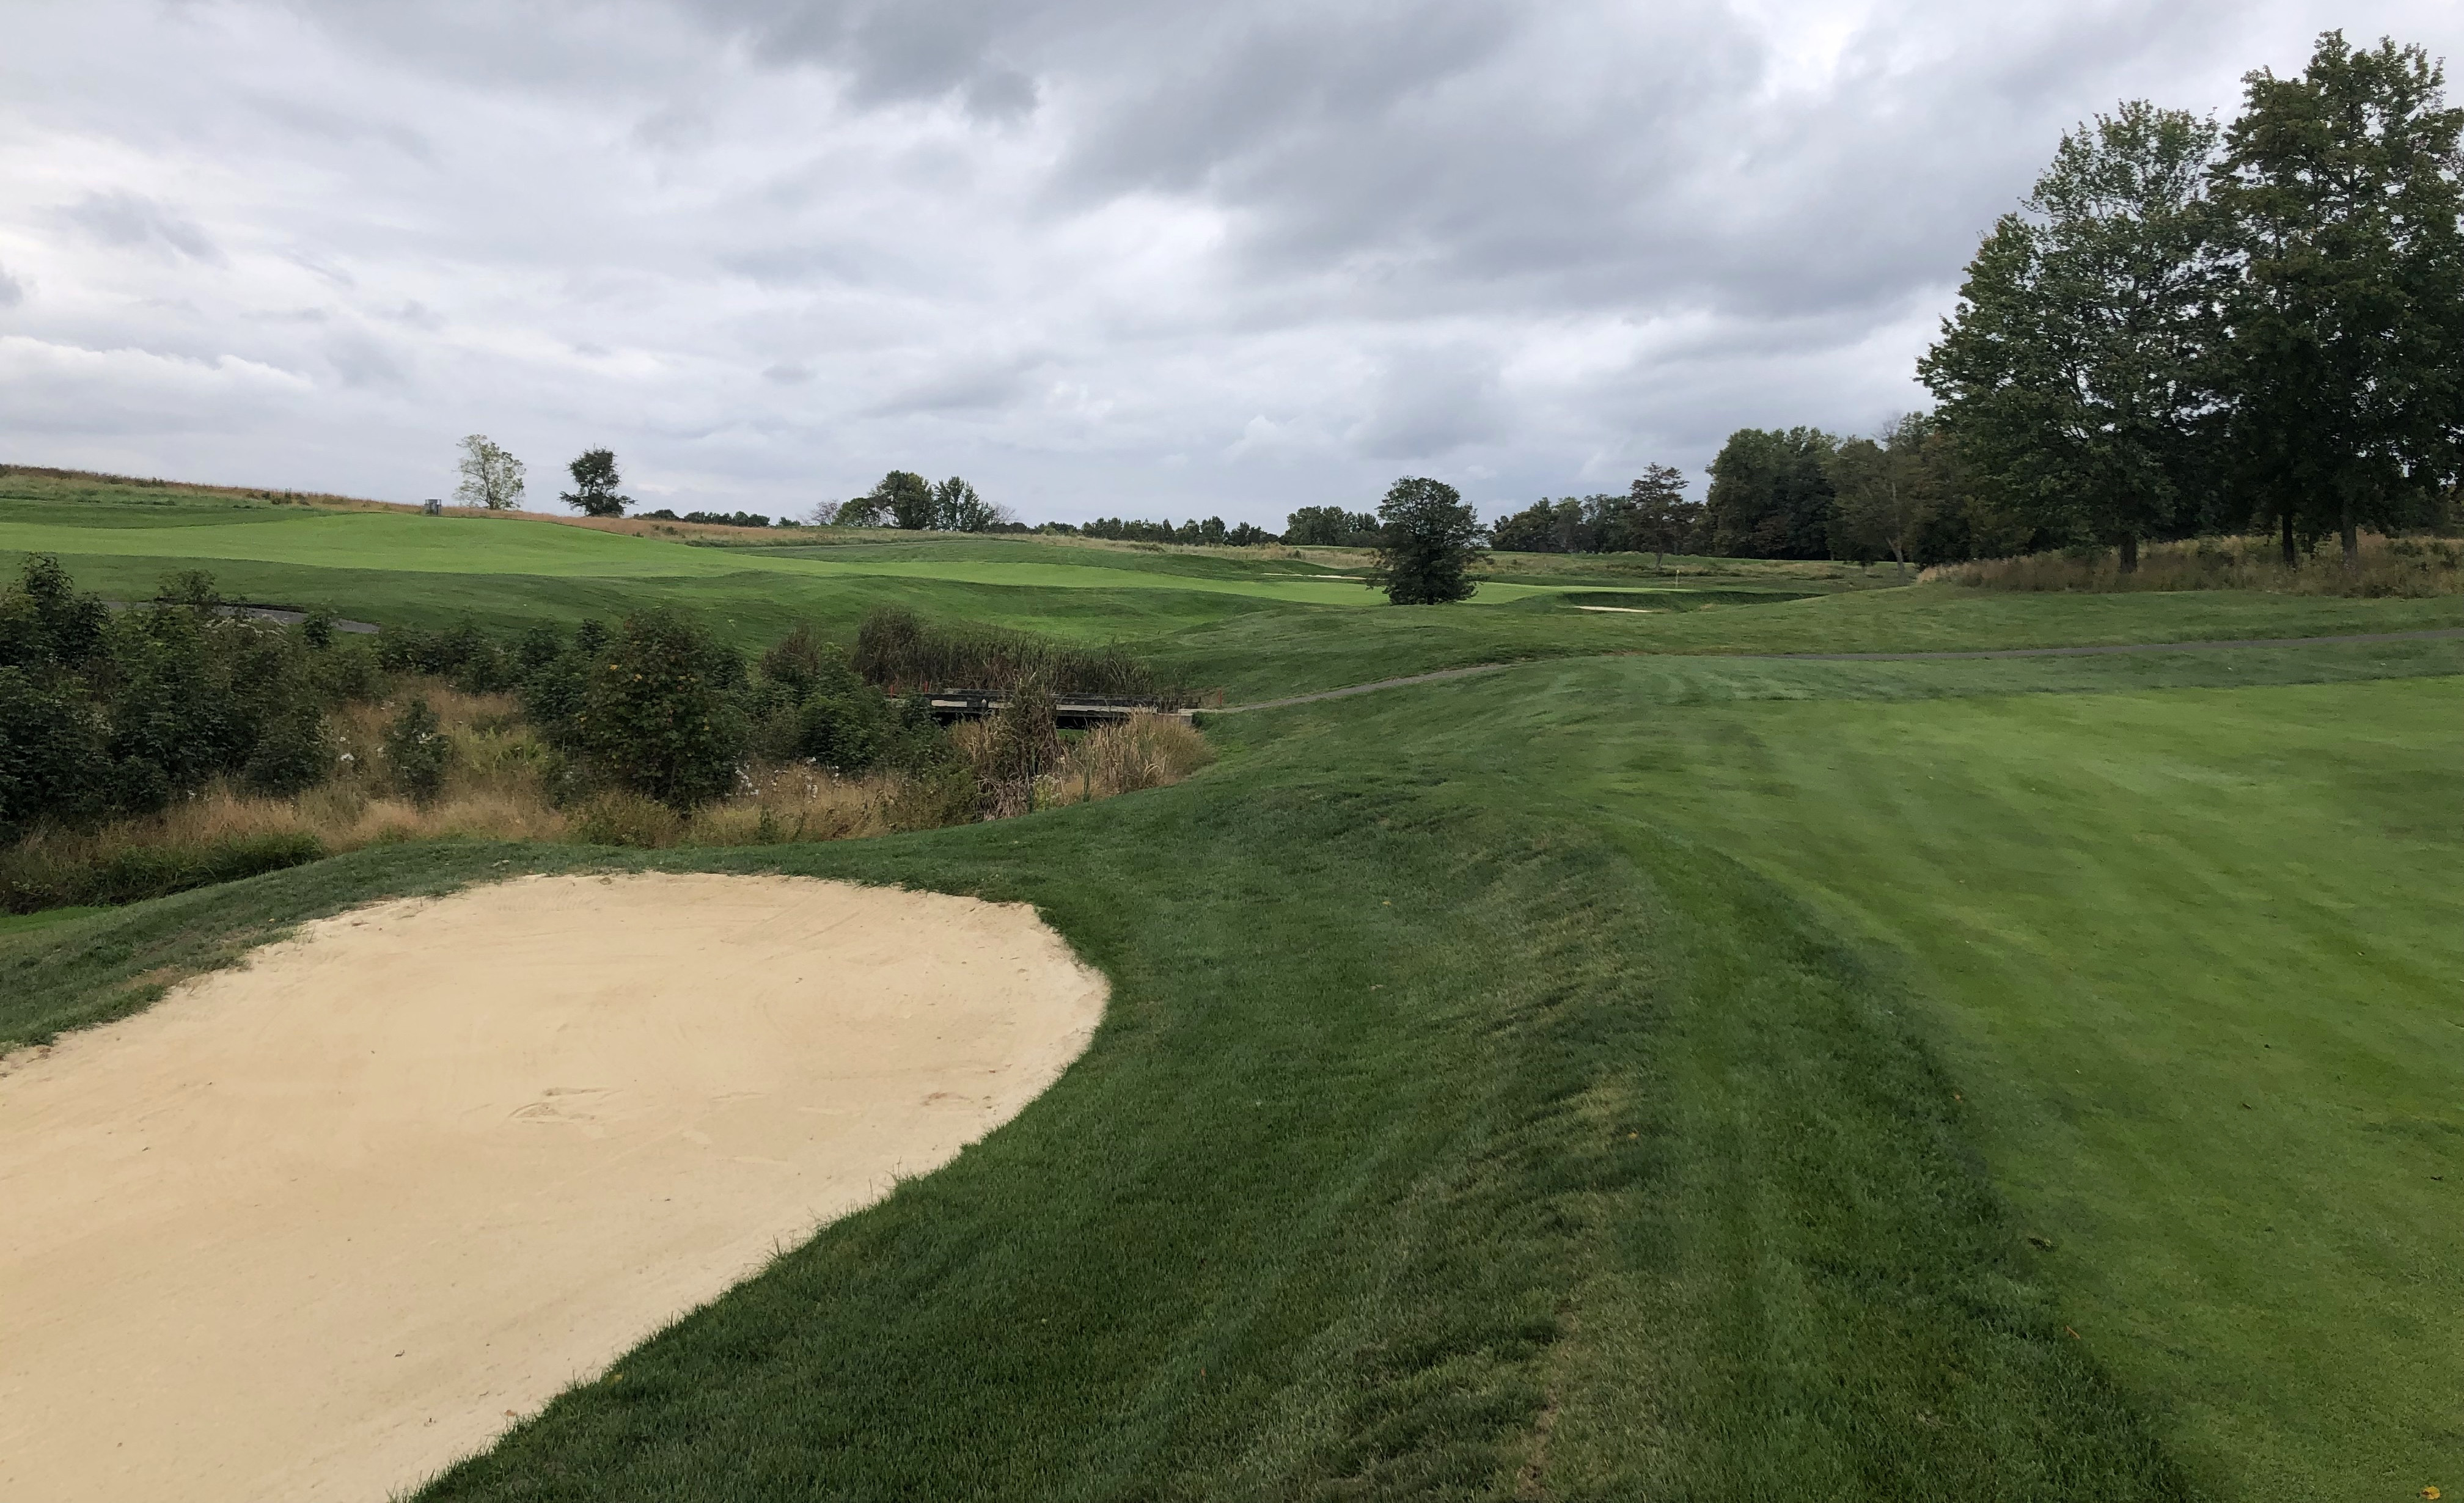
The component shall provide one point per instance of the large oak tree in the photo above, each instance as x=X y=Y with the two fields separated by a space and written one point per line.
x=2345 y=347
x=2074 y=374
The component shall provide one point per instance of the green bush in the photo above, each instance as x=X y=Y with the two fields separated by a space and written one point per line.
x=418 y=753
x=103 y=715
x=463 y=654
x=50 y=744
x=655 y=710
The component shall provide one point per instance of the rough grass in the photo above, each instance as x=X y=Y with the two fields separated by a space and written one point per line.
x=2386 y=567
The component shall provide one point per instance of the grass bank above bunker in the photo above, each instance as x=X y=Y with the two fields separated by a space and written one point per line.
x=1433 y=1146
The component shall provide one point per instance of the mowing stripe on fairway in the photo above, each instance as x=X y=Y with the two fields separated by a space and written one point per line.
x=2352 y=639
x=2114 y=648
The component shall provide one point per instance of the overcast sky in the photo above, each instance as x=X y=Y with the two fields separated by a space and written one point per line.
x=1099 y=257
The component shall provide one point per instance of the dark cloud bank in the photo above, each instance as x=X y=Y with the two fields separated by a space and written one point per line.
x=1098 y=256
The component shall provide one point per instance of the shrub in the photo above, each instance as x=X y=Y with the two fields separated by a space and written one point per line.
x=655 y=713
x=1140 y=753
x=45 y=626
x=462 y=654
x=418 y=753
x=291 y=753
x=1013 y=747
x=49 y=743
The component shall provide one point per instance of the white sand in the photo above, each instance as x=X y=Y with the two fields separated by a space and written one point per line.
x=315 y=1228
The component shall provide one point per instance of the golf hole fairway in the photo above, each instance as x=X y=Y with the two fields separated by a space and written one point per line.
x=315 y=1227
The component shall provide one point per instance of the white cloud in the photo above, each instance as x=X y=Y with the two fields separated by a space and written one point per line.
x=1099 y=257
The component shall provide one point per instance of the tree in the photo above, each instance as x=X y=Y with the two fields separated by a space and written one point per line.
x=909 y=499
x=1885 y=490
x=1657 y=518
x=594 y=485
x=2340 y=195
x=1428 y=541
x=1770 y=495
x=2074 y=374
x=1546 y=527
x=1330 y=527
x=957 y=508
x=491 y=477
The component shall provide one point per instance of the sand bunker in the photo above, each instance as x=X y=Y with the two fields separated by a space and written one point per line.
x=317 y=1227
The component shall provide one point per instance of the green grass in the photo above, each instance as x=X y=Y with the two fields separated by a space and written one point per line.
x=2191 y=955
x=1636 y=1075
x=14 y=924
x=407 y=543
x=1269 y=654
x=1243 y=623
x=1432 y=1147
x=2199 y=953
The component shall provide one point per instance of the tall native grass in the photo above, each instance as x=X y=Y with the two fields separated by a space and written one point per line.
x=1146 y=751
x=2406 y=567
x=497 y=786
x=901 y=652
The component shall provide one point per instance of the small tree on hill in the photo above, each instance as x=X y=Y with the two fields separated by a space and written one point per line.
x=594 y=485
x=1661 y=521
x=957 y=508
x=1429 y=539
x=909 y=500
x=653 y=709
x=491 y=477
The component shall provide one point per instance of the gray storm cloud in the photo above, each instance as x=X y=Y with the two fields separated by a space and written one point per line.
x=1098 y=256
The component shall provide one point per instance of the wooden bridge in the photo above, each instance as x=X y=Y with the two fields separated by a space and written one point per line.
x=1076 y=711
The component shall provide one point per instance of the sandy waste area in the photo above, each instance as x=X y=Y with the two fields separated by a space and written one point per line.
x=315 y=1228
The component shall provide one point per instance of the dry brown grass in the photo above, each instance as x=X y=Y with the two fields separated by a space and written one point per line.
x=2410 y=567
x=1143 y=752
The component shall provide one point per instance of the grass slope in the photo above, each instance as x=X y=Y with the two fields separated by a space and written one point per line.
x=2191 y=955
x=1431 y=1148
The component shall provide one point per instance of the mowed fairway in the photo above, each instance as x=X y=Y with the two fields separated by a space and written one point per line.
x=2194 y=959
x=2200 y=956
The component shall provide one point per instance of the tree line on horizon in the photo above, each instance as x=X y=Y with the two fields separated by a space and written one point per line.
x=2187 y=329
x=2255 y=327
